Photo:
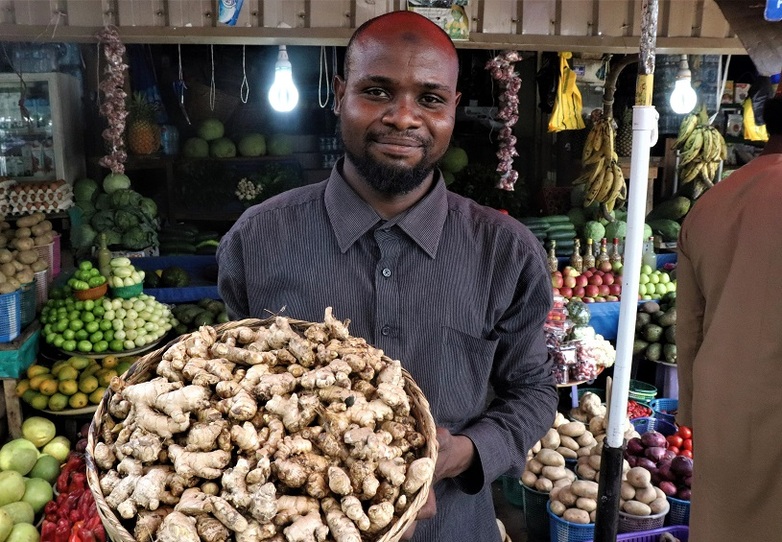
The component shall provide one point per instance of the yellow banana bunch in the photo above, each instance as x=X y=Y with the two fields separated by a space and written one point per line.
x=701 y=149
x=602 y=175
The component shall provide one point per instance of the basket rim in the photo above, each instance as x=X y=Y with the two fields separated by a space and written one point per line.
x=146 y=364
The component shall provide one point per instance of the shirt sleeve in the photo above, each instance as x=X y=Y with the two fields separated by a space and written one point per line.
x=689 y=328
x=525 y=393
x=231 y=279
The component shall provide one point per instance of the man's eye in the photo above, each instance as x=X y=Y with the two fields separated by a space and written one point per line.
x=432 y=100
x=379 y=92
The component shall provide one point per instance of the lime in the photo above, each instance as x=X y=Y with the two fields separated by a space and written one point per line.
x=100 y=346
x=79 y=305
x=98 y=311
x=85 y=265
x=94 y=272
x=58 y=341
x=68 y=334
x=61 y=325
x=76 y=325
x=96 y=337
x=49 y=338
x=116 y=345
x=92 y=327
x=86 y=316
x=69 y=345
x=104 y=325
x=108 y=335
x=81 y=335
x=84 y=346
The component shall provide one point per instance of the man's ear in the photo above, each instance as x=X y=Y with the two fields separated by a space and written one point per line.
x=339 y=92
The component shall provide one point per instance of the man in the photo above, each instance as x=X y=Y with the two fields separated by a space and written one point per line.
x=730 y=348
x=456 y=291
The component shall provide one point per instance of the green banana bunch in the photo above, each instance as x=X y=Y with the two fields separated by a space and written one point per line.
x=601 y=172
x=701 y=149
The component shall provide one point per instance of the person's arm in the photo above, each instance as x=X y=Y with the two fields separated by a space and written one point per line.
x=526 y=397
x=689 y=331
x=231 y=280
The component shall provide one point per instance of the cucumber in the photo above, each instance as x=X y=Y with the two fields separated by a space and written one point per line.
x=180 y=247
x=562 y=235
x=562 y=227
x=533 y=220
x=558 y=219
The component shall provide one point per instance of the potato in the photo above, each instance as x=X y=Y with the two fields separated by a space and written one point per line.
x=576 y=515
x=594 y=461
x=584 y=488
x=534 y=466
x=636 y=508
x=660 y=492
x=578 y=415
x=645 y=494
x=569 y=442
x=8 y=269
x=550 y=439
x=559 y=419
x=557 y=508
x=593 y=516
x=554 y=473
x=39 y=265
x=24 y=244
x=597 y=425
x=27 y=256
x=586 y=440
x=7 y=288
x=528 y=478
x=660 y=506
x=586 y=504
x=586 y=472
x=3 y=241
x=585 y=451
x=5 y=255
x=544 y=485
x=553 y=494
x=567 y=496
x=537 y=447
x=567 y=453
x=572 y=429
x=23 y=233
x=566 y=481
x=639 y=477
x=550 y=457
x=627 y=491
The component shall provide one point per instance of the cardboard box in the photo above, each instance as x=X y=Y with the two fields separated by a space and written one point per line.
x=740 y=92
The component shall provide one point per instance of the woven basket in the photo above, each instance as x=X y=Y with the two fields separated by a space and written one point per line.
x=145 y=366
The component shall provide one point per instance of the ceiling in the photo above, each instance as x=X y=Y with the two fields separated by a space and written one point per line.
x=596 y=26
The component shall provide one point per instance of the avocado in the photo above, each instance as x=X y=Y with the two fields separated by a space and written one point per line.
x=203 y=318
x=668 y=318
x=652 y=333
x=667 y=229
x=669 y=352
x=639 y=346
x=650 y=307
x=670 y=334
x=653 y=352
x=174 y=277
x=672 y=209
x=641 y=319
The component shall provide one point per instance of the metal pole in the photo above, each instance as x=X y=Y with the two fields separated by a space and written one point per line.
x=644 y=136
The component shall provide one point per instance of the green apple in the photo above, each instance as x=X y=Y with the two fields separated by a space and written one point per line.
x=646 y=269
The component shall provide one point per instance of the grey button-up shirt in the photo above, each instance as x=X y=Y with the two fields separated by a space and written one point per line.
x=457 y=291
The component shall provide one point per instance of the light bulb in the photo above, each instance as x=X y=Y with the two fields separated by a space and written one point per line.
x=283 y=95
x=683 y=98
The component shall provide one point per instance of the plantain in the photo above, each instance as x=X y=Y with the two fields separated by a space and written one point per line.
x=606 y=183
x=685 y=130
x=691 y=171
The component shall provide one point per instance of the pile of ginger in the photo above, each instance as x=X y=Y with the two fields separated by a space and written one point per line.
x=265 y=433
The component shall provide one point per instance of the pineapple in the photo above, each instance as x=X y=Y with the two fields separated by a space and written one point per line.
x=624 y=134
x=143 y=135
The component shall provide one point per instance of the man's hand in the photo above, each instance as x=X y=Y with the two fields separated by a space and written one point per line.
x=455 y=455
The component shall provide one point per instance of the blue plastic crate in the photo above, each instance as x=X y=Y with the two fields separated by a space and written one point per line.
x=679 y=531
x=662 y=408
x=565 y=531
x=642 y=425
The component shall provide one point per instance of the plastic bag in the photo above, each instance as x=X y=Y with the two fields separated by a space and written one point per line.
x=567 y=107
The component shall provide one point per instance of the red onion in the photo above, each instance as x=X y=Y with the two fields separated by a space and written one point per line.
x=502 y=70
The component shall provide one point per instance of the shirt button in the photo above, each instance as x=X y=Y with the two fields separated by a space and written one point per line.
x=386 y=272
x=385 y=330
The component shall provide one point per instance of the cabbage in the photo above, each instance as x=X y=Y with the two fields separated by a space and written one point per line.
x=84 y=189
x=125 y=197
x=124 y=220
x=86 y=206
x=115 y=181
x=103 y=220
x=136 y=239
x=103 y=202
x=148 y=207
x=83 y=236
x=113 y=237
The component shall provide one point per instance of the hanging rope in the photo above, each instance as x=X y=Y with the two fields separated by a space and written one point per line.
x=323 y=66
x=212 y=82
x=244 y=89
x=180 y=86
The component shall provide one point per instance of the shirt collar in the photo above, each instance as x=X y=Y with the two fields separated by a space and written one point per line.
x=351 y=217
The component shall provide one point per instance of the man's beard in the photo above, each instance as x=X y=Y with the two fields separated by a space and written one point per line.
x=391 y=180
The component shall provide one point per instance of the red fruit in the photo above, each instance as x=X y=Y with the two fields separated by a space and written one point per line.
x=674 y=440
x=612 y=298
x=687 y=444
x=589 y=272
x=608 y=279
x=556 y=291
x=556 y=280
x=569 y=281
x=684 y=431
x=591 y=290
x=566 y=292
x=686 y=453
x=578 y=291
x=587 y=299
x=603 y=290
x=615 y=289
x=597 y=280
x=569 y=270
x=605 y=266
x=582 y=280
x=674 y=449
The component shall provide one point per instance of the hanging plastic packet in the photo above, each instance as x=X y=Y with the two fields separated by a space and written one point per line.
x=228 y=11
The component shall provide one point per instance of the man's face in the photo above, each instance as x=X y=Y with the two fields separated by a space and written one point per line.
x=397 y=109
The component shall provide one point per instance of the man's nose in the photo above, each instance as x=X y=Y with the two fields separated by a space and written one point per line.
x=403 y=113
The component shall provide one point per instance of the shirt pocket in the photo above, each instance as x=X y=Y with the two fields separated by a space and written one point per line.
x=463 y=378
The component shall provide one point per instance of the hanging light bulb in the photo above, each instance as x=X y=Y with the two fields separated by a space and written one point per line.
x=683 y=97
x=283 y=95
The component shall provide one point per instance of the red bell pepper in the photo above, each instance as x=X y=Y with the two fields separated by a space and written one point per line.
x=78 y=481
x=63 y=530
x=48 y=529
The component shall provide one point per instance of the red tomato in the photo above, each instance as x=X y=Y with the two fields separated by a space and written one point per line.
x=674 y=449
x=686 y=453
x=674 y=441
x=684 y=432
x=687 y=444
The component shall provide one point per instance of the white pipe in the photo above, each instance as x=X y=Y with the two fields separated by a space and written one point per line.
x=644 y=136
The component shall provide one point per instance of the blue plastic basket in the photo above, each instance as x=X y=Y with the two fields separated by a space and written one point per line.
x=679 y=531
x=535 y=513
x=642 y=425
x=679 y=513
x=662 y=408
x=10 y=316
x=27 y=302
x=565 y=531
x=629 y=523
